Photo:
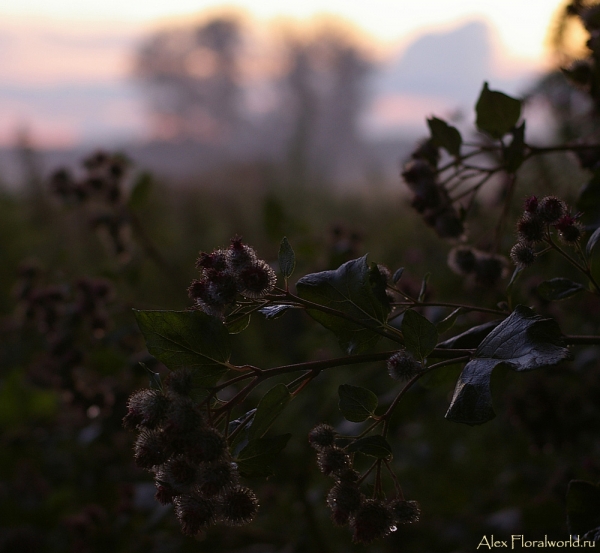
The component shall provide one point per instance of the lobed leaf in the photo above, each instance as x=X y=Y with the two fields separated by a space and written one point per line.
x=497 y=113
x=444 y=135
x=420 y=335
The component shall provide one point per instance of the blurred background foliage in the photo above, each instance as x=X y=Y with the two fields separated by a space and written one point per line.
x=70 y=348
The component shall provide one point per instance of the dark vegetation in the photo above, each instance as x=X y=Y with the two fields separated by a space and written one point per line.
x=506 y=256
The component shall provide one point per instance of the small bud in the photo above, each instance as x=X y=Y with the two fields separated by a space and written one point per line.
x=145 y=408
x=194 y=513
x=373 y=520
x=530 y=228
x=151 y=448
x=322 y=436
x=551 y=209
x=238 y=506
x=403 y=366
x=213 y=478
x=332 y=461
x=405 y=512
x=256 y=280
x=522 y=255
x=462 y=260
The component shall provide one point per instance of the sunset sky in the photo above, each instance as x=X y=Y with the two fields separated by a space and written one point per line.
x=65 y=64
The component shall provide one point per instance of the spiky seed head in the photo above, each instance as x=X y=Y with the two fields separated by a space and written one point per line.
x=164 y=493
x=194 y=512
x=569 y=228
x=212 y=478
x=345 y=497
x=205 y=445
x=551 y=209
x=239 y=255
x=222 y=287
x=146 y=408
x=322 y=436
x=530 y=228
x=417 y=172
x=238 y=506
x=179 y=472
x=217 y=260
x=183 y=416
x=462 y=260
x=489 y=269
x=522 y=254
x=405 y=512
x=531 y=204
x=180 y=382
x=348 y=475
x=372 y=521
x=256 y=280
x=403 y=366
x=332 y=461
x=151 y=448
x=198 y=290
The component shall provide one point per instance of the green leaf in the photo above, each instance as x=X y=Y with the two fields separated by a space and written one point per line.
x=356 y=290
x=287 y=259
x=497 y=113
x=583 y=507
x=141 y=190
x=420 y=335
x=423 y=289
x=514 y=154
x=256 y=459
x=374 y=446
x=238 y=323
x=448 y=322
x=592 y=241
x=356 y=404
x=522 y=342
x=559 y=289
x=187 y=339
x=269 y=408
x=445 y=135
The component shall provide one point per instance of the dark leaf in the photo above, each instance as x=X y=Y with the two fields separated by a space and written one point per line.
x=514 y=154
x=445 y=135
x=256 y=459
x=469 y=339
x=592 y=241
x=187 y=339
x=269 y=408
x=356 y=290
x=420 y=335
x=287 y=259
x=523 y=341
x=423 y=290
x=583 y=507
x=241 y=438
x=275 y=311
x=398 y=275
x=140 y=191
x=356 y=404
x=448 y=322
x=238 y=323
x=559 y=289
x=375 y=446
x=497 y=113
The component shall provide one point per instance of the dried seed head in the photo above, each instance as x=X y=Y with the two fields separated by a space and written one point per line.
x=462 y=260
x=194 y=512
x=405 y=512
x=322 y=436
x=332 y=461
x=522 y=255
x=530 y=228
x=345 y=497
x=146 y=408
x=151 y=448
x=256 y=280
x=373 y=520
x=214 y=477
x=551 y=209
x=403 y=366
x=238 y=506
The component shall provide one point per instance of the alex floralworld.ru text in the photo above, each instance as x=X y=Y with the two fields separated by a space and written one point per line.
x=517 y=540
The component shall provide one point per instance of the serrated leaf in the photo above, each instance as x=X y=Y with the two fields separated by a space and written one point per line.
x=238 y=323
x=256 y=459
x=187 y=339
x=374 y=446
x=514 y=154
x=559 y=289
x=448 y=322
x=592 y=241
x=287 y=259
x=141 y=190
x=398 y=275
x=497 y=113
x=269 y=408
x=522 y=342
x=469 y=339
x=356 y=403
x=356 y=290
x=275 y=311
x=583 y=507
x=420 y=335
x=444 y=135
